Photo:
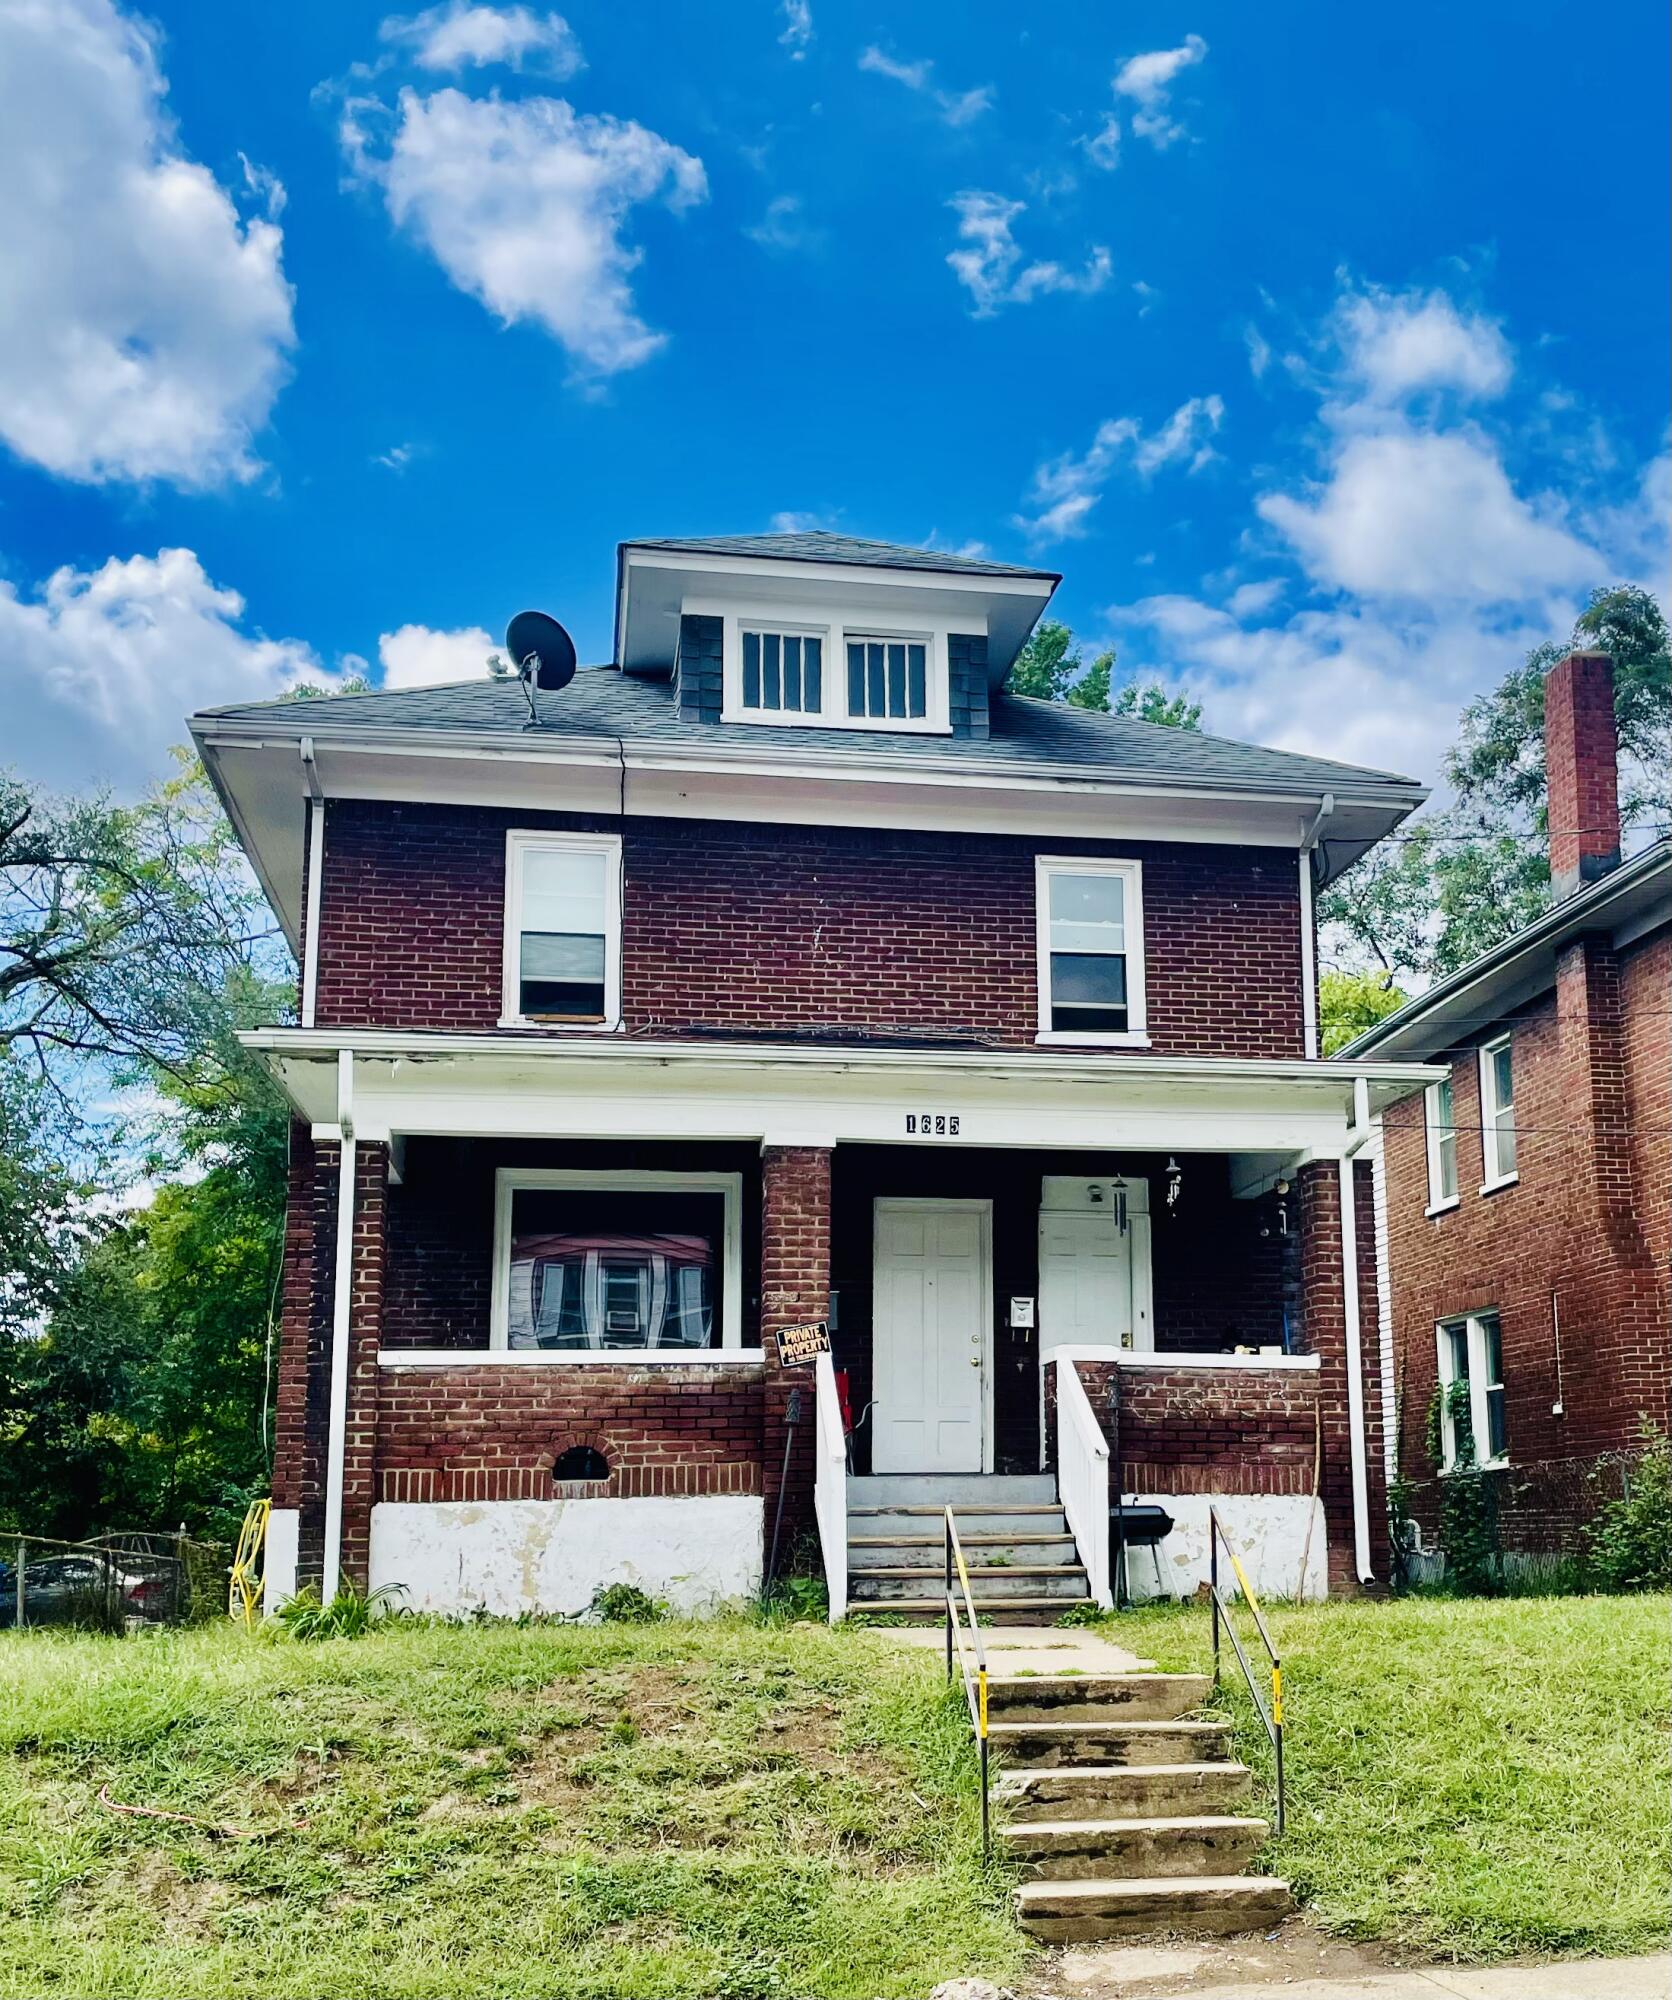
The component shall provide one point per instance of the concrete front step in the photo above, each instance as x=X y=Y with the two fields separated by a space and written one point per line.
x=1121 y=1791
x=1040 y=1746
x=990 y=1610
x=1095 y=1697
x=1096 y=1849
x=1065 y=1581
x=952 y=1489
x=926 y=1523
x=1081 y=1912
x=981 y=1552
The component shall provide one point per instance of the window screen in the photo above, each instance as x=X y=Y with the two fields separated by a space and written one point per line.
x=1088 y=953
x=562 y=934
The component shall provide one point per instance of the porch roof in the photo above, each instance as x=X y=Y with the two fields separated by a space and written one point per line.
x=390 y=1083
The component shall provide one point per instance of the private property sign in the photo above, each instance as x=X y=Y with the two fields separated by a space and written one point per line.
x=799 y=1346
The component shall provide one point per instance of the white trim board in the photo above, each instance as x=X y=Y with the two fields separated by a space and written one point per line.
x=748 y=1360
x=1126 y=1357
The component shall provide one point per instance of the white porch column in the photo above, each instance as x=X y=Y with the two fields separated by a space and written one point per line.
x=342 y=1295
x=1355 y=1370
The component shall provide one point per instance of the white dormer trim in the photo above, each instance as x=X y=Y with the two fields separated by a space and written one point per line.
x=834 y=625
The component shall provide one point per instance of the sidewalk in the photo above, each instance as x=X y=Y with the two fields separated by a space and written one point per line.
x=1579 y=1979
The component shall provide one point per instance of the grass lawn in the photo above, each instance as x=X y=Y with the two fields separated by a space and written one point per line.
x=689 y=1810
x=1469 y=1780
x=665 y=1810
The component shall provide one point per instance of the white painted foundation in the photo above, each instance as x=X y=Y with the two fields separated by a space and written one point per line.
x=284 y=1536
x=1267 y=1530
x=509 y=1556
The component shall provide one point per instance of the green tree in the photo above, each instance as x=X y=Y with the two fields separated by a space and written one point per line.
x=1350 y=1002
x=1051 y=667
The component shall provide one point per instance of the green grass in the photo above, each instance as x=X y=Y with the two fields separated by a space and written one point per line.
x=663 y=1810
x=1466 y=1779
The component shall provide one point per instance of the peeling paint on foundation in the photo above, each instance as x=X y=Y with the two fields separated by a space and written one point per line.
x=509 y=1556
x=1268 y=1531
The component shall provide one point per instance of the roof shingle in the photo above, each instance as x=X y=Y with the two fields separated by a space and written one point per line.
x=821 y=545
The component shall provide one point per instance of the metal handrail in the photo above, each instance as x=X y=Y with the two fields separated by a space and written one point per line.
x=1272 y=1717
x=975 y=1680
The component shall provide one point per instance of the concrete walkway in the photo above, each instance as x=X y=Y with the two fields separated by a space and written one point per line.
x=1030 y=1649
x=1264 y=1969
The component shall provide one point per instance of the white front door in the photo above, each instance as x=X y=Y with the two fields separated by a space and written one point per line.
x=931 y=1325
x=1094 y=1265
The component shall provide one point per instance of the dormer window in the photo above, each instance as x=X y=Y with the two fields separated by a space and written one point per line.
x=783 y=672
x=888 y=679
x=830 y=673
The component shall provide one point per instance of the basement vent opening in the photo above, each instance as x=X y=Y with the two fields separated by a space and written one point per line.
x=581 y=1461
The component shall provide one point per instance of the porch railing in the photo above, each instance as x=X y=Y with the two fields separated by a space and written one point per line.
x=1271 y=1715
x=972 y=1659
x=1083 y=1478
x=830 y=1485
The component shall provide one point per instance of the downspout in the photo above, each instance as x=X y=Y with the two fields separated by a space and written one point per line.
x=1358 y=1137
x=341 y=1316
x=1308 y=938
x=316 y=871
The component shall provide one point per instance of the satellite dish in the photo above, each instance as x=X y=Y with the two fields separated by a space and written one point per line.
x=541 y=651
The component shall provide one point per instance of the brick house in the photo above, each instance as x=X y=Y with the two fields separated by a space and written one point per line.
x=1527 y=1194
x=787 y=970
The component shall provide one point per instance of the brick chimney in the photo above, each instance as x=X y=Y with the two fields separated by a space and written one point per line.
x=1581 y=754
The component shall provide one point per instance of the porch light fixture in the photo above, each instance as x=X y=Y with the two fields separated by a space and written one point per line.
x=1175 y=1180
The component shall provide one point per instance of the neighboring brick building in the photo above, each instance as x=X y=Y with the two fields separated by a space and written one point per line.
x=786 y=971
x=1528 y=1196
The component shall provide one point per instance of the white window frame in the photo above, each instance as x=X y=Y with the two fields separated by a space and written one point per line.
x=519 y=843
x=507 y=1181
x=1491 y=1110
x=1439 y=1201
x=1474 y=1327
x=834 y=627
x=1134 y=1035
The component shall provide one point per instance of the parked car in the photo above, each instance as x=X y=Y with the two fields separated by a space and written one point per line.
x=83 y=1588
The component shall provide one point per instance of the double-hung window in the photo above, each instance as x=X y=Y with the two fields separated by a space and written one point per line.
x=1442 y=1146
x=1497 y=1112
x=1090 y=946
x=888 y=679
x=1471 y=1351
x=783 y=672
x=562 y=930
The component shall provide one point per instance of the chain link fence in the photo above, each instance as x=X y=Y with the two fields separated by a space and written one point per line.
x=117 y=1582
x=1539 y=1517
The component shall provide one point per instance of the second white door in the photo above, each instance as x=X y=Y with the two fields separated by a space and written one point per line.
x=931 y=1328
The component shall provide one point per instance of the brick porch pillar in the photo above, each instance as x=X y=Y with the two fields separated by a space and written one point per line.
x=795 y=1287
x=1324 y=1321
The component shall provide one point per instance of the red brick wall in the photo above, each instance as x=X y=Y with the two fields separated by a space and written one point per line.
x=1581 y=758
x=1205 y=1430
x=301 y=1397
x=494 y=1431
x=739 y=928
x=1586 y=1225
x=795 y=1289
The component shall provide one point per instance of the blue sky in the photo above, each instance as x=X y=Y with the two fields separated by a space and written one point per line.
x=1323 y=350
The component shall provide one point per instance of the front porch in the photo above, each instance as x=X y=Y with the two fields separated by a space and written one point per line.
x=548 y=1360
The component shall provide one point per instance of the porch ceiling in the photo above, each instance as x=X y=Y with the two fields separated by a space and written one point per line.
x=497 y=1085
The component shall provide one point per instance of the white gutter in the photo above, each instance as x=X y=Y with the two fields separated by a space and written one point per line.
x=315 y=810
x=1308 y=933
x=341 y=1321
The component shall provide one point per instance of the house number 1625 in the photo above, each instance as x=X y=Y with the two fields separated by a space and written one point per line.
x=931 y=1124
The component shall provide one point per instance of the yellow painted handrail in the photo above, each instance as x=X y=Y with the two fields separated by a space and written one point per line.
x=243 y=1598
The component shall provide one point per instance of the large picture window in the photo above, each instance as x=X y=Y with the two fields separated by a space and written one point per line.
x=616 y=1265
x=562 y=930
x=1091 y=951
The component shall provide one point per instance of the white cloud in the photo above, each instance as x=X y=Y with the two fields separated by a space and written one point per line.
x=784 y=226
x=143 y=328
x=1147 y=80
x=989 y=261
x=1259 y=351
x=798 y=28
x=1251 y=600
x=1065 y=489
x=461 y=36
x=418 y=656
x=957 y=107
x=792 y=522
x=1395 y=345
x=1430 y=517
x=1102 y=148
x=264 y=188
x=524 y=206
x=99 y=669
x=397 y=458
